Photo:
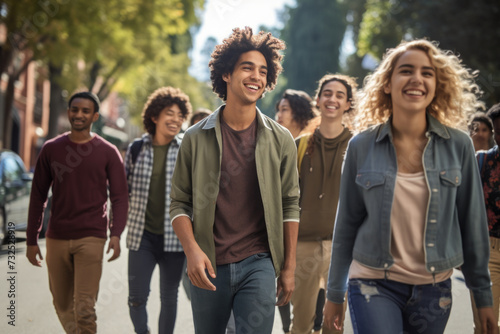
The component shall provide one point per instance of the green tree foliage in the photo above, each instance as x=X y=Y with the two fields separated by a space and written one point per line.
x=93 y=44
x=468 y=28
x=313 y=32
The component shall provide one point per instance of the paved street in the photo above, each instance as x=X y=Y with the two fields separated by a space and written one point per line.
x=35 y=314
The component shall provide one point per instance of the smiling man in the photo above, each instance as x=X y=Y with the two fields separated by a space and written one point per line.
x=149 y=163
x=235 y=194
x=319 y=176
x=81 y=168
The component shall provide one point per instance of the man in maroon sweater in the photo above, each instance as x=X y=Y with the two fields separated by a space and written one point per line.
x=80 y=167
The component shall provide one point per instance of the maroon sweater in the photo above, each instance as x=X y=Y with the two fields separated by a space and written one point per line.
x=79 y=175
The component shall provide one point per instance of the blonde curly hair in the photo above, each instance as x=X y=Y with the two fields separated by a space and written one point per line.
x=456 y=95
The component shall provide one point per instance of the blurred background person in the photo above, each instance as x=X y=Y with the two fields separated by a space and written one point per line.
x=489 y=168
x=295 y=111
x=481 y=131
x=198 y=115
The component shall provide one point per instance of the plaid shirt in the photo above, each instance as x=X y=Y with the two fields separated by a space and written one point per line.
x=139 y=176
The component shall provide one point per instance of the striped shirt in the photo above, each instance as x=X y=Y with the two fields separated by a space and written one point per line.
x=139 y=177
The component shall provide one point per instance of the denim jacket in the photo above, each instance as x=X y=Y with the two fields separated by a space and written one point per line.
x=456 y=229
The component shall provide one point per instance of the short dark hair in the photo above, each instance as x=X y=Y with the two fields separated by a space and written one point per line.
x=301 y=104
x=86 y=95
x=198 y=115
x=226 y=55
x=348 y=82
x=160 y=99
x=494 y=112
x=480 y=117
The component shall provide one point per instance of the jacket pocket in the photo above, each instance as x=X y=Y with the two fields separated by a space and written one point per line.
x=451 y=177
x=369 y=180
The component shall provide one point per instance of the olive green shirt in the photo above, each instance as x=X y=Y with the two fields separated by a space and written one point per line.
x=197 y=177
x=155 y=209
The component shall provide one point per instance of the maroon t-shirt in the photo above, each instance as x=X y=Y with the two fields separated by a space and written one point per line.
x=81 y=176
x=239 y=229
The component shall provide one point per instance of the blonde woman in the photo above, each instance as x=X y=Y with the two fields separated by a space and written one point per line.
x=411 y=206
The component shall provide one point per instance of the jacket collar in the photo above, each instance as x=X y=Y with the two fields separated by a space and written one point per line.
x=214 y=119
x=433 y=125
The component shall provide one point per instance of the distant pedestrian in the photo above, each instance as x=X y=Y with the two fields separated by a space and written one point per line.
x=151 y=240
x=481 y=131
x=489 y=169
x=81 y=168
x=235 y=194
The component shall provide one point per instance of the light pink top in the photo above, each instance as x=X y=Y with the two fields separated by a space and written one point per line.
x=408 y=216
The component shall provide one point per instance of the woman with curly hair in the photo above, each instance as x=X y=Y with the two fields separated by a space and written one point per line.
x=235 y=194
x=149 y=164
x=410 y=207
x=294 y=111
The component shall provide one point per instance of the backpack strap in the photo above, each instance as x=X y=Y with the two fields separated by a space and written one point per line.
x=301 y=150
x=135 y=148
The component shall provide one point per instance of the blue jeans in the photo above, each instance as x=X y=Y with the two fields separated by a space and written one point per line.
x=248 y=288
x=384 y=306
x=141 y=264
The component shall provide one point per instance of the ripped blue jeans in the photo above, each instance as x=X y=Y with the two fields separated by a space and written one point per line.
x=384 y=306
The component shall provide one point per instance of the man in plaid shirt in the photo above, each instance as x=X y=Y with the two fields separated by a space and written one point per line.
x=151 y=239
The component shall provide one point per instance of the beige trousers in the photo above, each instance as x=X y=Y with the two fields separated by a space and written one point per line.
x=75 y=268
x=313 y=262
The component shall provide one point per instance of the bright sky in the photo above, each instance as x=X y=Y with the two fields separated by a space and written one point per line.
x=221 y=16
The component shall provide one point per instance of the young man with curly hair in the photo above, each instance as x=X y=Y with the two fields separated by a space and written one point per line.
x=149 y=164
x=235 y=194
x=81 y=168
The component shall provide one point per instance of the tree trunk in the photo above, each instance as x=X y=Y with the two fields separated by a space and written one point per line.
x=57 y=102
x=7 y=119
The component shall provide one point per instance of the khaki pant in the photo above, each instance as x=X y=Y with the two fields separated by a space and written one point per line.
x=494 y=266
x=74 y=268
x=313 y=262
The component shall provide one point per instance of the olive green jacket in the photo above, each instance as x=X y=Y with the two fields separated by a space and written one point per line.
x=197 y=178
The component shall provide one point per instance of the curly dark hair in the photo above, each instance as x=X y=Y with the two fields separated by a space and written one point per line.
x=160 y=99
x=226 y=55
x=494 y=112
x=301 y=104
x=480 y=117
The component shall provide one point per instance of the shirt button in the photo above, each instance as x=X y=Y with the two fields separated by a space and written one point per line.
x=368 y=183
x=433 y=269
x=430 y=245
x=433 y=221
x=435 y=190
x=386 y=265
x=456 y=179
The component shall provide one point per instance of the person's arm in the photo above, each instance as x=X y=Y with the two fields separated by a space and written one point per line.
x=286 y=280
x=118 y=194
x=198 y=263
x=351 y=212
x=471 y=213
x=42 y=180
x=291 y=214
x=181 y=211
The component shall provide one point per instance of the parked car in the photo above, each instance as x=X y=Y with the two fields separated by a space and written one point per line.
x=15 y=188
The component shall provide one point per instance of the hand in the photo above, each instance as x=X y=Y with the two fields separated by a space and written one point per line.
x=197 y=266
x=286 y=285
x=489 y=324
x=31 y=253
x=114 y=244
x=333 y=314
